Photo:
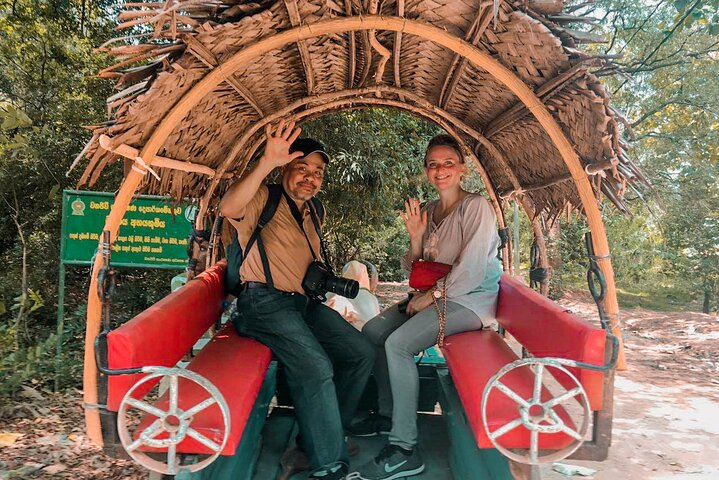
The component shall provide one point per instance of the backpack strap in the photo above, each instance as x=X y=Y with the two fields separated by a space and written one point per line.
x=268 y=211
x=275 y=192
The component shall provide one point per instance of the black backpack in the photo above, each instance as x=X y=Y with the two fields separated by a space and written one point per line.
x=234 y=252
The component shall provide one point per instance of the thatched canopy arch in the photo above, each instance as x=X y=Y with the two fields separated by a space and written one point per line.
x=505 y=78
x=354 y=56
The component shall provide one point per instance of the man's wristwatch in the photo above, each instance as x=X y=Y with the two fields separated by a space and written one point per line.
x=437 y=293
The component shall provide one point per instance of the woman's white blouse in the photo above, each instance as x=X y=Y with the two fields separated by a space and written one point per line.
x=467 y=239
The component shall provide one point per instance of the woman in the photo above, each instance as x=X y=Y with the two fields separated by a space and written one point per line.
x=459 y=229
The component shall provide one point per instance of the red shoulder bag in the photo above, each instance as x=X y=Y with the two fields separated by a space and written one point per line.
x=424 y=275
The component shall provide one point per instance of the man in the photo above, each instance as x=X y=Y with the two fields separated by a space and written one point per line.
x=313 y=342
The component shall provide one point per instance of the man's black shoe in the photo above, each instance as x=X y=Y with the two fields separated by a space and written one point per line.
x=371 y=426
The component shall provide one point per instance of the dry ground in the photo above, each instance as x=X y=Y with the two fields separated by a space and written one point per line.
x=666 y=409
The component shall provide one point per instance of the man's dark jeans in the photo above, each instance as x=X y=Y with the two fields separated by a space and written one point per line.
x=314 y=344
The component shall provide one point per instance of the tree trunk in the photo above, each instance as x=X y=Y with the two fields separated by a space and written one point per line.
x=555 y=259
x=21 y=313
x=707 y=299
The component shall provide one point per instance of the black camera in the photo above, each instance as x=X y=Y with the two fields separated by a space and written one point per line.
x=319 y=280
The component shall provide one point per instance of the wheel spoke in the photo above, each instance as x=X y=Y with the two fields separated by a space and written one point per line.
x=172 y=459
x=563 y=397
x=506 y=428
x=511 y=394
x=146 y=407
x=153 y=430
x=198 y=408
x=173 y=394
x=133 y=446
x=572 y=433
x=537 y=394
x=203 y=440
x=534 y=446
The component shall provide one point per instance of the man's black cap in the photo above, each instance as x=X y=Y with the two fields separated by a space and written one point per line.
x=309 y=146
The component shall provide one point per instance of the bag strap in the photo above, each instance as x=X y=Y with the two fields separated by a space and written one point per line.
x=268 y=211
x=441 y=314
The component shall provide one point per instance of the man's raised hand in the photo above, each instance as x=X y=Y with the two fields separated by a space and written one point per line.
x=277 y=147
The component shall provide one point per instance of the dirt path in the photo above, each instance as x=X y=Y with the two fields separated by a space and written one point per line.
x=667 y=402
x=666 y=409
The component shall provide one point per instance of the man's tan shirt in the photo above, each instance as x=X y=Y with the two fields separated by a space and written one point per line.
x=287 y=251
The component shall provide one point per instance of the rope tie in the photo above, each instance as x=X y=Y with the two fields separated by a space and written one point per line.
x=142 y=168
x=513 y=195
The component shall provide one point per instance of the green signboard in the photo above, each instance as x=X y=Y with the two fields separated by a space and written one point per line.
x=153 y=232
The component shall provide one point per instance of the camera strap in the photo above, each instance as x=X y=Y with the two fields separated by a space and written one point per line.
x=300 y=223
x=315 y=220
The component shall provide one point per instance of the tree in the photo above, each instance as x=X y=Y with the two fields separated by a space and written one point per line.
x=666 y=53
x=376 y=164
x=47 y=92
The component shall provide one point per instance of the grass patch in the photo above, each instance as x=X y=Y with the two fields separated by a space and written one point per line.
x=664 y=296
x=655 y=297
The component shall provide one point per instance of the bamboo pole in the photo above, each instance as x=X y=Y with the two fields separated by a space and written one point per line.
x=335 y=26
x=132 y=153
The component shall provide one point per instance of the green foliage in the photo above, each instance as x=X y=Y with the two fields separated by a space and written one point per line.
x=701 y=12
x=36 y=301
x=377 y=157
x=672 y=102
x=30 y=364
x=48 y=91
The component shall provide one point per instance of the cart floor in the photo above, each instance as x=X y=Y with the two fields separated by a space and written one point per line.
x=280 y=429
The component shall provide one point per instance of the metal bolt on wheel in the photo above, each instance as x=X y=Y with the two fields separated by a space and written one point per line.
x=537 y=416
x=174 y=422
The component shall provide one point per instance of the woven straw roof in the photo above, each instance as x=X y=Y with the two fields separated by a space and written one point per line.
x=309 y=78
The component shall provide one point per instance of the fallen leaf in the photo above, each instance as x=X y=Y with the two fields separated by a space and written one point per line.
x=29 y=392
x=571 y=470
x=7 y=438
x=56 y=439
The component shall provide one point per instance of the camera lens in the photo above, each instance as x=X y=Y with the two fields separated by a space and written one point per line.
x=342 y=286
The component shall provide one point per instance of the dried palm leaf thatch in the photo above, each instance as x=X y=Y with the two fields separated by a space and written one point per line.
x=309 y=78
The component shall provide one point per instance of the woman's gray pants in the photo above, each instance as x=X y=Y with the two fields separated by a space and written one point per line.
x=398 y=340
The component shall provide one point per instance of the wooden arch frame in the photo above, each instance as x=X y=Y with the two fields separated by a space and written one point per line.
x=297 y=34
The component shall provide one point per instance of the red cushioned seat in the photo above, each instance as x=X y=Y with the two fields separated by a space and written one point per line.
x=162 y=334
x=473 y=358
x=237 y=367
x=546 y=329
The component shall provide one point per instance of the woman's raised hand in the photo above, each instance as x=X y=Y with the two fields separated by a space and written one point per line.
x=277 y=148
x=414 y=219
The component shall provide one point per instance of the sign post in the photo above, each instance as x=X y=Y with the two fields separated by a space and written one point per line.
x=153 y=234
